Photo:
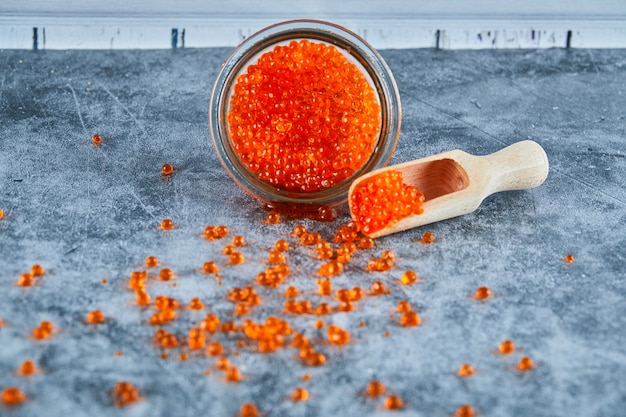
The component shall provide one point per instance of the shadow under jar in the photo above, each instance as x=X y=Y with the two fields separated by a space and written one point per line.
x=299 y=110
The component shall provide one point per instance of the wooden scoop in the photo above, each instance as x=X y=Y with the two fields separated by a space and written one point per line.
x=455 y=182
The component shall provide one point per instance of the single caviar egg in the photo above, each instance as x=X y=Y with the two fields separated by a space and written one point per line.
x=166 y=274
x=125 y=393
x=569 y=258
x=427 y=237
x=27 y=368
x=167 y=169
x=408 y=277
x=337 y=335
x=233 y=374
x=167 y=224
x=383 y=199
x=291 y=292
x=37 y=270
x=249 y=410
x=210 y=267
x=25 y=280
x=299 y=394
x=466 y=370
x=404 y=306
x=482 y=293
x=13 y=396
x=239 y=241
x=236 y=258
x=393 y=402
x=410 y=319
x=273 y=217
x=151 y=261
x=196 y=304
x=525 y=364
x=96 y=139
x=305 y=138
x=375 y=388
x=465 y=410
x=506 y=347
x=95 y=317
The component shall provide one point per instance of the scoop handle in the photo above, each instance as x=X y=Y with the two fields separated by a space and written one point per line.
x=519 y=166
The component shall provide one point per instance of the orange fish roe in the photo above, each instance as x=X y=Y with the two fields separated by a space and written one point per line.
x=321 y=310
x=1 y=322
x=466 y=370
x=299 y=230
x=569 y=258
x=291 y=292
x=409 y=277
x=125 y=393
x=482 y=293
x=166 y=274
x=167 y=224
x=384 y=199
x=384 y=263
x=228 y=250
x=37 y=270
x=142 y=298
x=427 y=237
x=239 y=241
x=281 y=245
x=215 y=232
x=303 y=135
x=236 y=258
x=337 y=335
x=525 y=364
x=375 y=388
x=137 y=280
x=13 y=396
x=165 y=339
x=276 y=257
x=347 y=232
x=151 y=261
x=365 y=242
x=299 y=394
x=306 y=377
x=167 y=169
x=506 y=347
x=196 y=304
x=25 y=280
x=210 y=267
x=379 y=288
x=214 y=349
x=43 y=331
x=324 y=287
x=233 y=374
x=410 y=319
x=164 y=303
x=27 y=368
x=465 y=410
x=404 y=306
x=249 y=410
x=393 y=402
x=273 y=217
x=210 y=323
x=330 y=269
x=95 y=317
x=96 y=139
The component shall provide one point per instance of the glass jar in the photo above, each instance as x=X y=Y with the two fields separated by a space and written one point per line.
x=359 y=53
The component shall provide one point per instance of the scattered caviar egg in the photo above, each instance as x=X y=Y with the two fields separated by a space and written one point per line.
x=27 y=368
x=236 y=258
x=318 y=323
x=167 y=169
x=166 y=274
x=196 y=304
x=404 y=306
x=249 y=410
x=13 y=396
x=221 y=231
x=506 y=347
x=312 y=142
x=337 y=335
x=291 y=292
x=214 y=349
x=281 y=245
x=356 y=293
x=408 y=277
x=1 y=214
x=222 y=363
x=427 y=237
x=466 y=370
x=525 y=364
x=25 y=280
x=276 y=257
x=315 y=359
x=306 y=377
x=273 y=217
x=387 y=333
x=241 y=309
x=43 y=331
x=362 y=324
x=330 y=269
x=393 y=402
x=366 y=242
x=322 y=309
x=384 y=199
x=465 y=410
x=324 y=286
x=239 y=241
x=142 y=298
x=299 y=230
x=346 y=306
x=375 y=388
x=299 y=394
x=125 y=393
x=378 y=288
x=410 y=319
x=167 y=224
x=96 y=139
x=228 y=250
x=151 y=261
x=210 y=267
x=37 y=270
x=119 y=353
x=482 y=293
x=233 y=374
x=95 y=317
x=104 y=280
x=183 y=356
x=325 y=214
x=569 y=258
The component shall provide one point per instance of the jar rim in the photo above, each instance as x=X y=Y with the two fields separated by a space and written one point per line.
x=348 y=43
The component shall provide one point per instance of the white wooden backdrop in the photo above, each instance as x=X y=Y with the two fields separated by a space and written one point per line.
x=449 y=24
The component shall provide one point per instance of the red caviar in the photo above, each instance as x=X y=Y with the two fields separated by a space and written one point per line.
x=27 y=368
x=506 y=347
x=13 y=396
x=304 y=118
x=125 y=393
x=95 y=317
x=167 y=224
x=466 y=370
x=96 y=139
x=375 y=388
x=167 y=169
x=384 y=199
x=393 y=402
x=299 y=394
x=465 y=410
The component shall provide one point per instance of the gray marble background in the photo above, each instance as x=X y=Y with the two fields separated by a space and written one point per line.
x=86 y=213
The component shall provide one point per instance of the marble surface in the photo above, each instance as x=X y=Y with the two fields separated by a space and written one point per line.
x=88 y=213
